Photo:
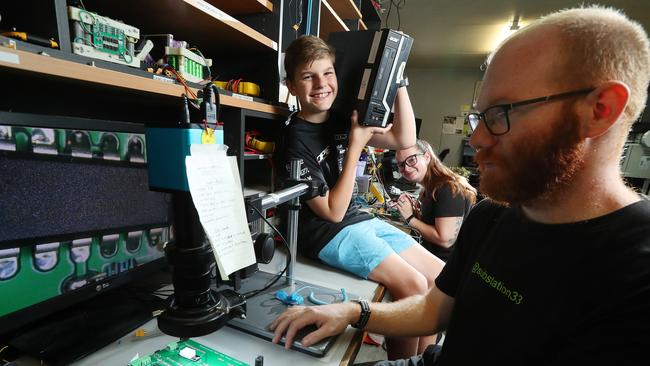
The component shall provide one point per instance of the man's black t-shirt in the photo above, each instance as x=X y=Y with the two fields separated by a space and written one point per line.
x=444 y=205
x=529 y=294
x=321 y=148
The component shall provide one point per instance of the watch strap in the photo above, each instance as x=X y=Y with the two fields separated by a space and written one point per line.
x=404 y=82
x=408 y=219
x=364 y=316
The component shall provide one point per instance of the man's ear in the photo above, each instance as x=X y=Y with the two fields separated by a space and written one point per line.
x=607 y=103
x=290 y=86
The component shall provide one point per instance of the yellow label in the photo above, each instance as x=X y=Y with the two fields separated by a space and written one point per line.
x=208 y=136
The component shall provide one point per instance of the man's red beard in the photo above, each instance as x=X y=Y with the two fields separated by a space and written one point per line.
x=538 y=167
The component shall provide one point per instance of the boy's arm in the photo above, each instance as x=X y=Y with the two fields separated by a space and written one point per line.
x=333 y=206
x=402 y=135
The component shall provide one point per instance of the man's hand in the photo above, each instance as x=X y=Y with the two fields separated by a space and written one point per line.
x=330 y=320
x=360 y=135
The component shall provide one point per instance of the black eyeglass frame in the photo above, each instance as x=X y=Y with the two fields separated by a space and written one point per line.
x=480 y=116
x=404 y=164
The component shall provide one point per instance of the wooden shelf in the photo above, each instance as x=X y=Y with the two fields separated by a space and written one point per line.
x=243 y=7
x=14 y=60
x=371 y=18
x=329 y=21
x=362 y=25
x=345 y=9
x=199 y=23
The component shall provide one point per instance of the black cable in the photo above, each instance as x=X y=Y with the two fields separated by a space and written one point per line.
x=204 y=60
x=217 y=99
x=296 y=16
x=390 y=6
x=398 y=6
x=299 y=22
x=186 y=110
x=250 y=294
x=399 y=19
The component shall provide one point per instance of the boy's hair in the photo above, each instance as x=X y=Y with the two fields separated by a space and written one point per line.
x=305 y=49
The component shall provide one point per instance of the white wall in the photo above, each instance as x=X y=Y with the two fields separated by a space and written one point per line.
x=439 y=92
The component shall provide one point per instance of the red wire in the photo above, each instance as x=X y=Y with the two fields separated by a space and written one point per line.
x=182 y=81
x=233 y=85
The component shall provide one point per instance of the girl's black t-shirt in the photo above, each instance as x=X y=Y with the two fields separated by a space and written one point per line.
x=445 y=204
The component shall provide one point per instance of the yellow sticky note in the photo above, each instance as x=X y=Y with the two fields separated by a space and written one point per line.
x=208 y=136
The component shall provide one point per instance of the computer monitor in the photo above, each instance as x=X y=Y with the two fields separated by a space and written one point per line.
x=388 y=167
x=77 y=217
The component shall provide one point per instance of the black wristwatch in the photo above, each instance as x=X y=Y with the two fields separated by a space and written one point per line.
x=364 y=316
x=404 y=82
x=408 y=219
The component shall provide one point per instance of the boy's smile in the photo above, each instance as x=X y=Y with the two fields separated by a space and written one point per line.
x=315 y=86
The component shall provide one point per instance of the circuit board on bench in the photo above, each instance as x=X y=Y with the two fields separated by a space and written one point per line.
x=187 y=352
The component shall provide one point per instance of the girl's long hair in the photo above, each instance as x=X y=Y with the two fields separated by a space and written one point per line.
x=438 y=175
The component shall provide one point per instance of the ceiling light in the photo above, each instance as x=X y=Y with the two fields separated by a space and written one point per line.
x=515 y=23
x=507 y=30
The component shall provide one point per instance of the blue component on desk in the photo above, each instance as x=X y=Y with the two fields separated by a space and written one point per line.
x=293 y=299
x=166 y=152
x=296 y=299
x=314 y=300
x=264 y=307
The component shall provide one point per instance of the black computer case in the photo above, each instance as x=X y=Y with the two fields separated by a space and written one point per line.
x=369 y=66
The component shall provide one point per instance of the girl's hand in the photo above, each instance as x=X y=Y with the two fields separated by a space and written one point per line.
x=405 y=206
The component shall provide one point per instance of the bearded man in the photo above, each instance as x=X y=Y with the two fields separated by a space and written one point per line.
x=553 y=268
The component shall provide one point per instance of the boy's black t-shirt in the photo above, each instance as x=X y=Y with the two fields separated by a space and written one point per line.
x=530 y=294
x=321 y=148
x=444 y=205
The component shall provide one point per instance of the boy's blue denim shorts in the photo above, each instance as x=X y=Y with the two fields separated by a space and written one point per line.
x=360 y=247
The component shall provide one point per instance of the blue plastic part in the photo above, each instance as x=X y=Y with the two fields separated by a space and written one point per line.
x=166 y=152
x=296 y=299
x=293 y=299
x=312 y=298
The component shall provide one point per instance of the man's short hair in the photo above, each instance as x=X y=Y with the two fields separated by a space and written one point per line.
x=305 y=49
x=601 y=44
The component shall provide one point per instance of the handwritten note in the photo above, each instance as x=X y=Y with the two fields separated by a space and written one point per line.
x=215 y=187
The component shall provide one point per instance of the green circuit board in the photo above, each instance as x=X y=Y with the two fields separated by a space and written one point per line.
x=171 y=355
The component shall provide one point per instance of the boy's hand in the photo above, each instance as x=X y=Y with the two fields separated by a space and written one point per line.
x=360 y=135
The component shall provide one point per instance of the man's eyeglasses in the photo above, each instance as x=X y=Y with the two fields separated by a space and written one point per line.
x=410 y=161
x=496 y=117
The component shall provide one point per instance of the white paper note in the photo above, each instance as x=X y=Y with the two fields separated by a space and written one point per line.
x=216 y=191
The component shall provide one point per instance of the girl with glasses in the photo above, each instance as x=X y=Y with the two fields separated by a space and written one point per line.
x=445 y=198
